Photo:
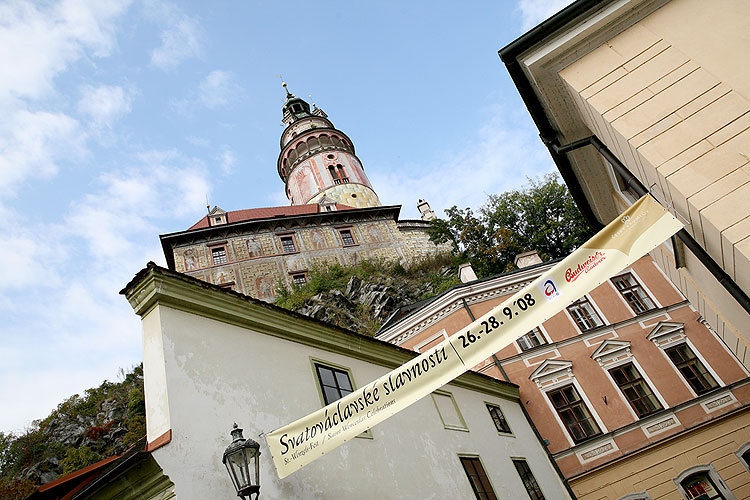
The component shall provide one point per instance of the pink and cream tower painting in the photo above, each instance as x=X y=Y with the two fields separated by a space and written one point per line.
x=317 y=161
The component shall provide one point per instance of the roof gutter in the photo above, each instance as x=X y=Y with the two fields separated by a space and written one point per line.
x=687 y=239
x=509 y=55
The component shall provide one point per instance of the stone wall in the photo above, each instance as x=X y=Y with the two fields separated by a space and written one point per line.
x=256 y=261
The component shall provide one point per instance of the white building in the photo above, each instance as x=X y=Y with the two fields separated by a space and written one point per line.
x=213 y=357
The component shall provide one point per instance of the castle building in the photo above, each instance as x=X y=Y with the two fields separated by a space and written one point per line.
x=335 y=216
x=637 y=396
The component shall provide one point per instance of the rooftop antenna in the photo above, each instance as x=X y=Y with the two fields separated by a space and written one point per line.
x=208 y=205
x=283 y=84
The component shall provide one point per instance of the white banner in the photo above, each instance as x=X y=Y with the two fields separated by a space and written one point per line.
x=638 y=230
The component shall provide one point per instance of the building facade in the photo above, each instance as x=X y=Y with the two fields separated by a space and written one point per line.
x=335 y=217
x=634 y=393
x=636 y=95
x=212 y=357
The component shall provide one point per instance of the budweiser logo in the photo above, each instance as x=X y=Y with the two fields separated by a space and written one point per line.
x=586 y=266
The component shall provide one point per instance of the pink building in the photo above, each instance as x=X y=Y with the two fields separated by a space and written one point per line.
x=623 y=379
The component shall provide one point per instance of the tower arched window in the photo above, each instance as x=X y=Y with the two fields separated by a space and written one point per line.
x=301 y=148
x=325 y=141
x=337 y=142
x=342 y=174
x=313 y=143
x=292 y=156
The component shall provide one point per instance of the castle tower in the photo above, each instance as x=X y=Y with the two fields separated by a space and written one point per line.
x=317 y=161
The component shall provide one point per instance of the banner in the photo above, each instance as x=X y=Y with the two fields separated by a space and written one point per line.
x=638 y=230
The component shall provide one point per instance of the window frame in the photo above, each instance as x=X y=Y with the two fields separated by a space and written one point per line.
x=633 y=289
x=700 y=361
x=462 y=427
x=290 y=237
x=349 y=230
x=520 y=460
x=582 y=401
x=219 y=248
x=713 y=477
x=743 y=455
x=335 y=366
x=294 y=277
x=645 y=381
x=539 y=334
x=474 y=460
x=597 y=314
x=495 y=406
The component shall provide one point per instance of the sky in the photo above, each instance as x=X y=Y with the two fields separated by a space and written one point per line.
x=122 y=117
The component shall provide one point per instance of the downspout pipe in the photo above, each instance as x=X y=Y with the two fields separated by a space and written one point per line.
x=700 y=253
x=538 y=435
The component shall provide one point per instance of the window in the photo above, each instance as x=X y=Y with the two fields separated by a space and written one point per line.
x=219 y=255
x=699 y=486
x=636 y=390
x=334 y=383
x=346 y=237
x=497 y=416
x=478 y=479
x=743 y=455
x=529 y=482
x=691 y=368
x=299 y=279
x=584 y=315
x=337 y=174
x=448 y=411
x=287 y=244
x=532 y=339
x=633 y=293
x=573 y=412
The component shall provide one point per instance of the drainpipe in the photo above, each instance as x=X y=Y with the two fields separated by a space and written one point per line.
x=711 y=265
x=539 y=437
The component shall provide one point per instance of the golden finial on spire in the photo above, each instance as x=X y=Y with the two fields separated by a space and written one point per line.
x=283 y=84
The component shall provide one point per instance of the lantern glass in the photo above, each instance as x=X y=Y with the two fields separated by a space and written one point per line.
x=241 y=459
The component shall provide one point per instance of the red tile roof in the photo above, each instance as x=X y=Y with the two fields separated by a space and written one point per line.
x=267 y=213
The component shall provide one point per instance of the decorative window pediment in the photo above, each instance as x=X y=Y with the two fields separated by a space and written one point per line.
x=666 y=332
x=552 y=371
x=611 y=351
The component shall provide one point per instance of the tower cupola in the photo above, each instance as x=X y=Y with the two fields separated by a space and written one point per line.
x=317 y=160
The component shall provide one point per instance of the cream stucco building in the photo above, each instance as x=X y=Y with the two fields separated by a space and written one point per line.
x=658 y=90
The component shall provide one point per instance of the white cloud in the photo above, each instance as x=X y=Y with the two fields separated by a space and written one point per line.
x=37 y=43
x=534 y=12
x=217 y=89
x=226 y=159
x=180 y=39
x=505 y=151
x=104 y=104
x=33 y=143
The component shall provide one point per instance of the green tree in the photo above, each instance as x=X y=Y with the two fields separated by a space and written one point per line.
x=541 y=216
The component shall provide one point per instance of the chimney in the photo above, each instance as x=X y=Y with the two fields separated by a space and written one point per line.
x=424 y=208
x=466 y=272
x=527 y=259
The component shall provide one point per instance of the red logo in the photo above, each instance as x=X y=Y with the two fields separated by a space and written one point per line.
x=588 y=265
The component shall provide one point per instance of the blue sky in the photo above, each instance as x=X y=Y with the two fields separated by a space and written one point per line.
x=121 y=117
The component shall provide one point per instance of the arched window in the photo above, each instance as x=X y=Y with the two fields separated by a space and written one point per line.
x=703 y=483
x=292 y=156
x=325 y=141
x=743 y=454
x=337 y=142
x=313 y=143
x=301 y=148
x=342 y=174
x=334 y=177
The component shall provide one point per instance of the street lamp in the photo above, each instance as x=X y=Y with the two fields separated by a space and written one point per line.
x=242 y=461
